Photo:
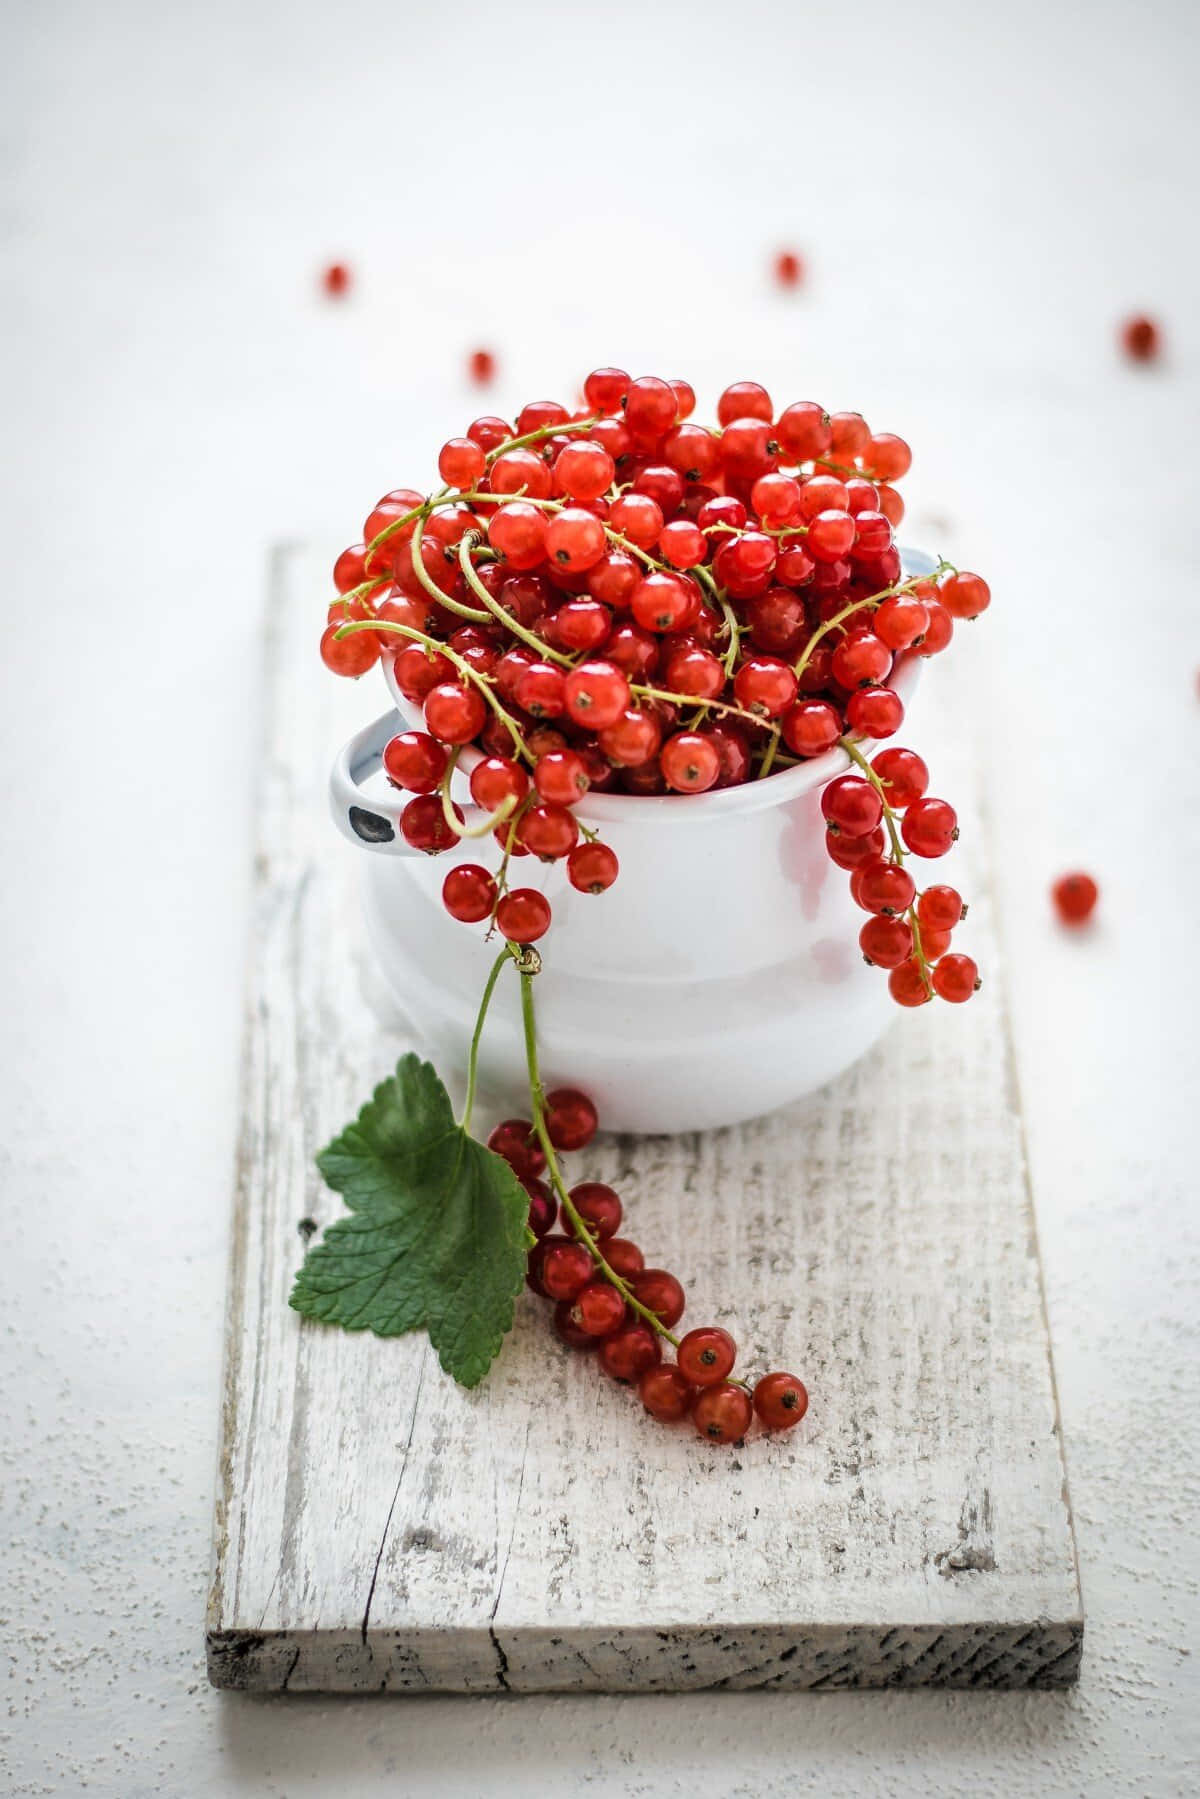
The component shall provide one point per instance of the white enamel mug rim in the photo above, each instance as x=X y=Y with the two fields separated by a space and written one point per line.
x=696 y=808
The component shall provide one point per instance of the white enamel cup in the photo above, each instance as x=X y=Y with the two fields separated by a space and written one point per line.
x=719 y=978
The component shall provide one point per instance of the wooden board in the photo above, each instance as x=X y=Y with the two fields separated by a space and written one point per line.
x=378 y=1528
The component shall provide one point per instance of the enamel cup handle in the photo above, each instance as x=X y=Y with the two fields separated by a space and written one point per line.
x=374 y=819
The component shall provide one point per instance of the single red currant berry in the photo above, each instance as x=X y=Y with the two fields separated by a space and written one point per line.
x=884 y=887
x=516 y=1140
x=660 y=1293
x=565 y=1270
x=693 y=451
x=682 y=544
x=664 y=602
x=632 y=739
x=689 y=762
x=955 y=978
x=597 y=1205
x=565 y=1327
x=489 y=432
x=549 y=832
x=824 y=493
x=747 y=450
x=424 y=826
x=598 y=1309
x=789 y=270
x=666 y=1393
x=861 y=660
x=350 y=568
x=628 y=1353
x=851 y=852
x=830 y=536
x=469 y=893
x=612 y=580
x=498 y=779
x=695 y=672
x=517 y=532
x=582 y=624
x=570 y=1119
x=584 y=470
x=940 y=908
x=561 y=778
x=352 y=655
x=461 y=462
x=454 y=714
x=663 y=484
x=888 y=457
x=780 y=1401
x=651 y=406
x=541 y=690
x=776 y=499
x=523 y=915
x=929 y=827
x=886 y=942
x=872 y=536
x=722 y=1413
x=418 y=672
x=638 y=519
x=1075 y=896
x=850 y=434
x=685 y=398
x=811 y=727
x=938 y=631
x=592 y=867
x=605 y=390
x=623 y=1257
x=907 y=984
x=803 y=431
x=778 y=621
x=335 y=279
x=904 y=776
x=934 y=944
x=875 y=712
x=706 y=1355
x=744 y=400
x=764 y=685
x=851 y=806
x=965 y=595
x=575 y=539
x=722 y=510
x=733 y=753
x=482 y=366
x=1141 y=338
x=900 y=621
x=595 y=694
x=542 y=1208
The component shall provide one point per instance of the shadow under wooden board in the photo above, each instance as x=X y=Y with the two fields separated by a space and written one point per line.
x=379 y=1528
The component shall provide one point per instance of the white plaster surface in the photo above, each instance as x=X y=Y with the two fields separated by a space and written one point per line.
x=981 y=194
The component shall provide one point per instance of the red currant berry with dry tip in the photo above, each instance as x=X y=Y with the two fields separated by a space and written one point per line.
x=1075 y=897
x=575 y=539
x=469 y=893
x=707 y=1355
x=722 y=1413
x=851 y=806
x=598 y=1206
x=940 y=908
x=629 y=1352
x=886 y=942
x=765 y=685
x=666 y=1393
x=929 y=827
x=565 y=1327
x=780 y=1401
x=592 y=867
x=523 y=915
x=955 y=978
x=605 y=390
x=595 y=694
x=424 y=825
x=598 y=1309
x=571 y=1120
x=900 y=622
x=884 y=887
x=689 y=762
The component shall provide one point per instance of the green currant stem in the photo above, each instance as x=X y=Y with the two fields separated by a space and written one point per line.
x=850 y=745
x=871 y=599
x=537 y=1098
x=691 y=699
x=485 y=826
x=506 y=955
x=764 y=767
x=431 y=587
x=510 y=837
x=541 y=434
x=493 y=605
x=470 y=675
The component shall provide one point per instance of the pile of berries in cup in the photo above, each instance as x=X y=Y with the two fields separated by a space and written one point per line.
x=607 y=1300
x=617 y=598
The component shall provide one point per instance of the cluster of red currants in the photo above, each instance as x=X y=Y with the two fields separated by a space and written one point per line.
x=619 y=598
x=607 y=1300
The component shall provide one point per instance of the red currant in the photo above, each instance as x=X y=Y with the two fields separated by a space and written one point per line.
x=722 y=1413
x=900 y=621
x=887 y=456
x=651 y=406
x=875 y=712
x=564 y=1269
x=851 y=806
x=861 y=660
x=549 y=832
x=561 y=778
x=666 y=1393
x=632 y=738
x=664 y=602
x=965 y=595
x=541 y=690
x=335 y=279
x=780 y=1401
x=542 y=1209
x=707 y=1355
x=907 y=984
x=887 y=942
x=629 y=1352
x=565 y=1327
x=660 y=1293
x=689 y=762
x=523 y=915
x=682 y=544
x=516 y=1140
x=461 y=462
x=903 y=774
x=803 y=431
x=744 y=400
x=623 y=1257
x=940 y=908
x=596 y=1203
x=454 y=714
x=1075 y=897
x=424 y=826
x=764 y=685
x=352 y=655
x=811 y=727
x=592 y=867
x=693 y=451
x=575 y=539
x=596 y=694
x=605 y=389
x=489 y=432
x=955 y=978
x=851 y=852
x=570 y=1119
x=1141 y=338
x=469 y=893
x=929 y=827
x=598 y=1309
x=584 y=470
x=884 y=887
x=789 y=269
x=482 y=366
x=496 y=780
x=938 y=631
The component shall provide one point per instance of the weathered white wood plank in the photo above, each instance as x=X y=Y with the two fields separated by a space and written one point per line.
x=379 y=1528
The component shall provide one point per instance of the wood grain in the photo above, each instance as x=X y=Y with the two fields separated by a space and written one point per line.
x=378 y=1528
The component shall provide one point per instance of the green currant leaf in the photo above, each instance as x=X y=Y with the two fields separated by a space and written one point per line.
x=437 y=1232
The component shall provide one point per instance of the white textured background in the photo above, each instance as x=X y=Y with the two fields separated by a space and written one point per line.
x=981 y=196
